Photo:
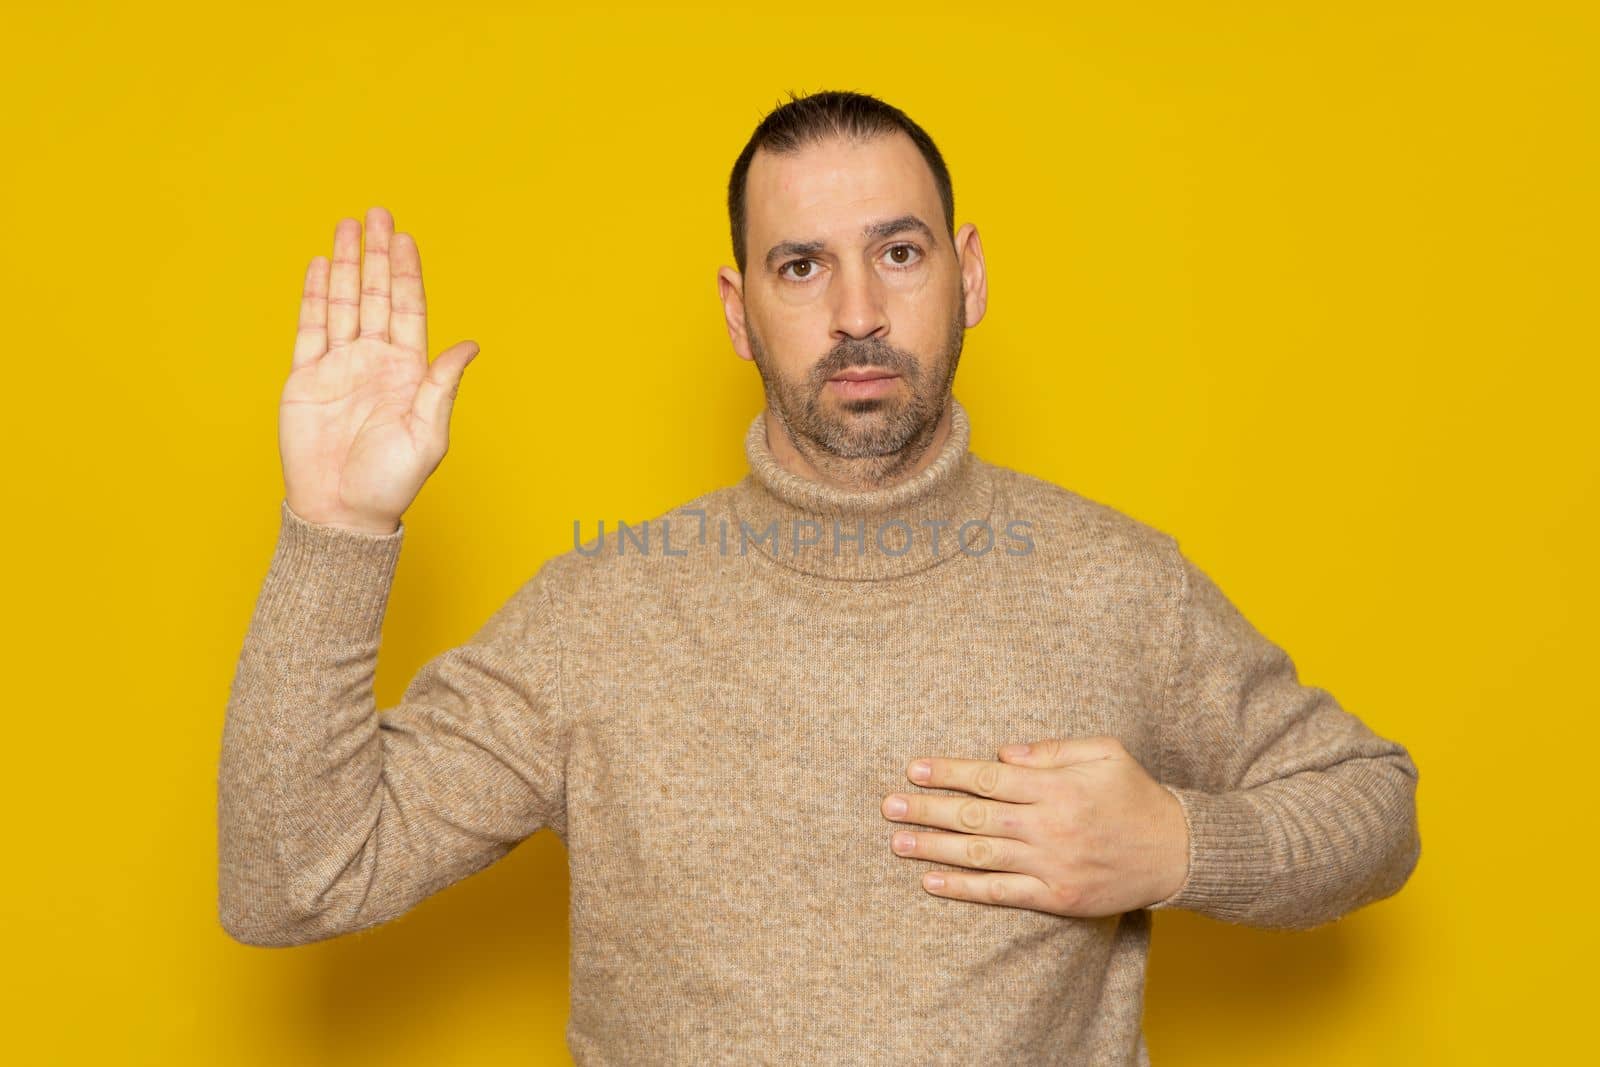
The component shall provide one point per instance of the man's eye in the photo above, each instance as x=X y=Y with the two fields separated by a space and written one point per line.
x=893 y=249
x=796 y=263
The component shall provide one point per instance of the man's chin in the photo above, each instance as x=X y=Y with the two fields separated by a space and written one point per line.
x=831 y=404
x=860 y=429
x=856 y=424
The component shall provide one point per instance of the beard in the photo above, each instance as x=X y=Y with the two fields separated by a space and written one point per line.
x=872 y=437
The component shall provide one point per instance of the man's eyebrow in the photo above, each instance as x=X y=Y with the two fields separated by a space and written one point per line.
x=890 y=227
x=882 y=228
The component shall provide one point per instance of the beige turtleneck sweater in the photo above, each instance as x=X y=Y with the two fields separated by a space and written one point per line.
x=710 y=722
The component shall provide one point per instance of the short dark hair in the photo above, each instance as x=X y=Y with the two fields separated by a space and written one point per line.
x=809 y=119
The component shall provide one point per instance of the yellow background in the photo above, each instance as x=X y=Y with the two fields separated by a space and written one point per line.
x=1310 y=286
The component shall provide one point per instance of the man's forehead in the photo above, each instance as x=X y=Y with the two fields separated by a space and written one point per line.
x=832 y=189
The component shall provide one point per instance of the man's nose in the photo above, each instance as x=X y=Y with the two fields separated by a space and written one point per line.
x=859 y=308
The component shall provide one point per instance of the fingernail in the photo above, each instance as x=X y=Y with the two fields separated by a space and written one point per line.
x=895 y=806
x=934 y=881
x=1014 y=750
x=920 y=770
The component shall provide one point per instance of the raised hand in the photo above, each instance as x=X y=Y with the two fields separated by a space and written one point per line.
x=365 y=419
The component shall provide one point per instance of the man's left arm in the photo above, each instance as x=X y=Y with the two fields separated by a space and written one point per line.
x=1297 y=812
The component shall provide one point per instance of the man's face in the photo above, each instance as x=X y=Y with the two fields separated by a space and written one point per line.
x=853 y=302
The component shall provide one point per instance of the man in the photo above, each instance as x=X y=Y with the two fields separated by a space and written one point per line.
x=777 y=728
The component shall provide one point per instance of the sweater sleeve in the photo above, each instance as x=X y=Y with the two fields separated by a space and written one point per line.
x=332 y=816
x=1297 y=812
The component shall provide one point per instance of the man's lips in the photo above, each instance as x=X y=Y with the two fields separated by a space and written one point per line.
x=864 y=383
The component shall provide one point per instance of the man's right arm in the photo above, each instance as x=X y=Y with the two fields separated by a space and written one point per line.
x=333 y=817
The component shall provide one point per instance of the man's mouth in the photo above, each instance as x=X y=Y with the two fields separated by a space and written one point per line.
x=864 y=383
x=862 y=374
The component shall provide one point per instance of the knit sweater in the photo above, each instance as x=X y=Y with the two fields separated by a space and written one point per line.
x=709 y=710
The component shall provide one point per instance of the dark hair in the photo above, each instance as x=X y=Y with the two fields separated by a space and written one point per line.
x=809 y=119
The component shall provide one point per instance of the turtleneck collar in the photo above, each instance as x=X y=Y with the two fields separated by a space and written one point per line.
x=868 y=534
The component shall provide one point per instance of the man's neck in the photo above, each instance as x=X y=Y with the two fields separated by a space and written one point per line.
x=868 y=472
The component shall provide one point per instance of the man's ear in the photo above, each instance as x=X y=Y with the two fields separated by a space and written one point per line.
x=730 y=289
x=974 y=278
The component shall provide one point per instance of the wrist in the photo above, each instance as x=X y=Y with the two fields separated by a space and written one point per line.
x=374 y=527
x=1175 y=855
x=1175 y=866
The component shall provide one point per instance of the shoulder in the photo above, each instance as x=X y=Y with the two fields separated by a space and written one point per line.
x=633 y=561
x=1090 y=549
x=1079 y=527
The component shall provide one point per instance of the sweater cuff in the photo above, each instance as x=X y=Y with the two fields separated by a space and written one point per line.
x=326 y=581
x=1229 y=856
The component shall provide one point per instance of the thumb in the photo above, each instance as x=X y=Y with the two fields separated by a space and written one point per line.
x=436 y=396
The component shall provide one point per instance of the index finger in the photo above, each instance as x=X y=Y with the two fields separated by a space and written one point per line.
x=408 y=314
x=985 y=778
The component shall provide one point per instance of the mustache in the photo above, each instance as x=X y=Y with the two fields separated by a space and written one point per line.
x=849 y=354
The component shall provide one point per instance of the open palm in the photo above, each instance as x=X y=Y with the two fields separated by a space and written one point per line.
x=365 y=418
